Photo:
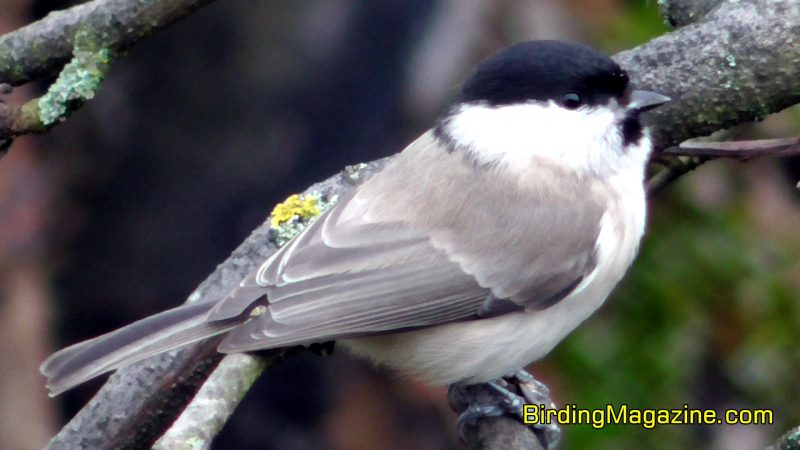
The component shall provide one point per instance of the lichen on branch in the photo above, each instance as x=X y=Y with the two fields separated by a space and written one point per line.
x=79 y=43
x=78 y=81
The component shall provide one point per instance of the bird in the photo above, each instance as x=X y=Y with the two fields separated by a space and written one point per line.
x=471 y=254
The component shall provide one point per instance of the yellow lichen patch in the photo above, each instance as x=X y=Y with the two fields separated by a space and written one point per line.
x=304 y=207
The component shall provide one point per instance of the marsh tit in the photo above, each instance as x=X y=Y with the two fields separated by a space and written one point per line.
x=471 y=254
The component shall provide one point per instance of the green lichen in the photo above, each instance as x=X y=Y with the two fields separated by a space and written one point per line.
x=295 y=213
x=731 y=60
x=78 y=81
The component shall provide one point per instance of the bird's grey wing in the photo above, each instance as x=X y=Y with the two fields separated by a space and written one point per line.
x=410 y=252
x=347 y=276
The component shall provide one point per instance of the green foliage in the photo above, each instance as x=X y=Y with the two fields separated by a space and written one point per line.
x=636 y=23
x=707 y=317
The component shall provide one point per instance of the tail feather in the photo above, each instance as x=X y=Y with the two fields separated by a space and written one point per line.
x=155 y=334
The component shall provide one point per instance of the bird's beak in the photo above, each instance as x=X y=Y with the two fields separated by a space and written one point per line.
x=642 y=101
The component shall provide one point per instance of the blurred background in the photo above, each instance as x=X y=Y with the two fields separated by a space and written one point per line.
x=197 y=133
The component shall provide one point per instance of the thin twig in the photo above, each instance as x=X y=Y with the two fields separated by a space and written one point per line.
x=739 y=150
x=211 y=408
x=687 y=156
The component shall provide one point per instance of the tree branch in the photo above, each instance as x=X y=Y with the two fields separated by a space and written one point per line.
x=80 y=43
x=199 y=423
x=42 y=48
x=121 y=417
x=737 y=65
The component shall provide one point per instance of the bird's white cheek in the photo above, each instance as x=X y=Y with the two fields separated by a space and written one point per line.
x=516 y=136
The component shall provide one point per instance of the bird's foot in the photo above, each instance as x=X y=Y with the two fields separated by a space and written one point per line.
x=505 y=396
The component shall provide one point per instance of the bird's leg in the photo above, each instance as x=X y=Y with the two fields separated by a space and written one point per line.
x=505 y=396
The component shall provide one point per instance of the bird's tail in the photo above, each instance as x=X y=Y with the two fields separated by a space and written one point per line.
x=155 y=334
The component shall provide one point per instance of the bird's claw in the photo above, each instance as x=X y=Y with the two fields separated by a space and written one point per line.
x=509 y=396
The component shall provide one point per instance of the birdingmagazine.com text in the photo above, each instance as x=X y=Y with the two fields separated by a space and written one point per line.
x=649 y=418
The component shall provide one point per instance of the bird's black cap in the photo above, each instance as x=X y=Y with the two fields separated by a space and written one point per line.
x=545 y=70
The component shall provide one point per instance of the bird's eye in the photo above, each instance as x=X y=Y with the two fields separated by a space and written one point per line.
x=571 y=100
